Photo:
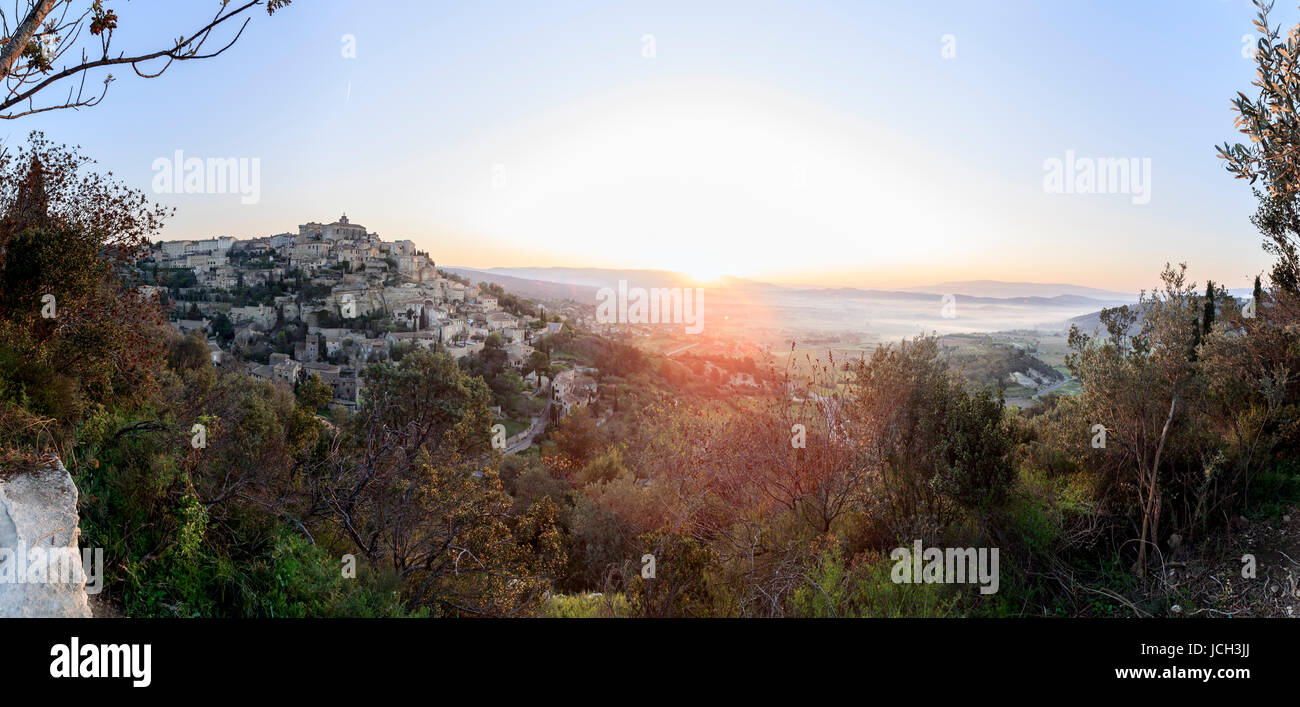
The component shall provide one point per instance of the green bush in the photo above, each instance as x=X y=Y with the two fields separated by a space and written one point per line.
x=835 y=589
x=587 y=606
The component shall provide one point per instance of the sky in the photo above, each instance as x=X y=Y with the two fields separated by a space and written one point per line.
x=880 y=144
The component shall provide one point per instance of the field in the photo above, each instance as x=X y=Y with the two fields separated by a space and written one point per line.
x=513 y=427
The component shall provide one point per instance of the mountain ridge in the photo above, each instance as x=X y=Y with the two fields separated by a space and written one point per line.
x=976 y=290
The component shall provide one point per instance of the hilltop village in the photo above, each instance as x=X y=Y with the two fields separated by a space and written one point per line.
x=330 y=298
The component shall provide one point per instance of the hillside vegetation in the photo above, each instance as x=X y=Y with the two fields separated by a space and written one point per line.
x=687 y=486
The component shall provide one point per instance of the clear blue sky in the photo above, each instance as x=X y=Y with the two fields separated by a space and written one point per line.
x=520 y=133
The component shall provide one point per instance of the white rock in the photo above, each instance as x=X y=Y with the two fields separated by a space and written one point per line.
x=38 y=516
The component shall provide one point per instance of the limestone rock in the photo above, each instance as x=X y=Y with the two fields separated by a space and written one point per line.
x=38 y=541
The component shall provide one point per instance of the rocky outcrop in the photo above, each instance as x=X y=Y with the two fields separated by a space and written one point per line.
x=41 y=573
x=1028 y=379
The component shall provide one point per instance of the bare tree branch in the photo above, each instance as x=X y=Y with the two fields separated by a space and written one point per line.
x=39 y=50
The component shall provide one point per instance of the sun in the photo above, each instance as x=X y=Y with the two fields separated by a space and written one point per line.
x=705 y=273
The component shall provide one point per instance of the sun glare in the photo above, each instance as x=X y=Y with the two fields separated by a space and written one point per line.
x=705 y=274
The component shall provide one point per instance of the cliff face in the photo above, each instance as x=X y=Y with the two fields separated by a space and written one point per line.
x=41 y=573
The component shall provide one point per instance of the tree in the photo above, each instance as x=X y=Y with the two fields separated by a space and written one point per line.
x=1207 y=316
x=1249 y=366
x=72 y=314
x=1138 y=385
x=938 y=447
x=539 y=362
x=190 y=352
x=680 y=586
x=50 y=30
x=313 y=393
x=412 y=487
x=1273 y=126
x=604 y=468
x=1258 y=302
x=577 y=435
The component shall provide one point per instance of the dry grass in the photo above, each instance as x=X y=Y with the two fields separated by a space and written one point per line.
x=25 y=439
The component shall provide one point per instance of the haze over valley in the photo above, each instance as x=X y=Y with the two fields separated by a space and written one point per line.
x=759 y=309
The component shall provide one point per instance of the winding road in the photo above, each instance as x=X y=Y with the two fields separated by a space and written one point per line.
x=536 y=427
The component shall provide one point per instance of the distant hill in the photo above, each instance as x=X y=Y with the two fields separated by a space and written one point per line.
x=609 y=277
x=980 y=305
x=987 y=290
x=1076 y=301
x=595 y=278
x=529 y=287
x=998 y=288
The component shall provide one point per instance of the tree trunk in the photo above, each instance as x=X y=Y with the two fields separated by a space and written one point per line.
x=23 y=35
x=1151 y=508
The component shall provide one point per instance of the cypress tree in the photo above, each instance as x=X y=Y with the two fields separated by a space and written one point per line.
x=1207 y=319
x=1196 y=339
